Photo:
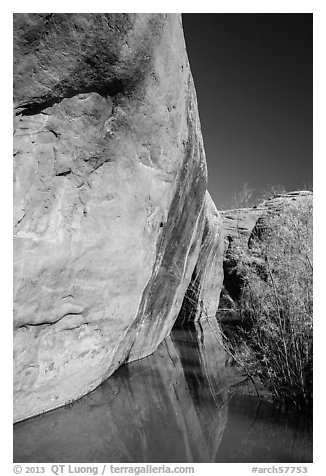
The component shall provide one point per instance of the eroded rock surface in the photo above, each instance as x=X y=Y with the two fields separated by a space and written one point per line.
x=109 y=197
x=202 y=297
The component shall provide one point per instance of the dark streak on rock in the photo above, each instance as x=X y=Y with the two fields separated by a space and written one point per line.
x=111 y=89
x=48 y=323
x=63 y=174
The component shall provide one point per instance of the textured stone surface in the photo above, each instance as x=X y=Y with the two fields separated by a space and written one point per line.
x=202 y=297
x=109 y=197
x=240 y=222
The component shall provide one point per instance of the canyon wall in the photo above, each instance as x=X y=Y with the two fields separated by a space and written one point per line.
x=111 y=212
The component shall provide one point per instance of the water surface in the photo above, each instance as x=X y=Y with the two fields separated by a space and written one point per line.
x=173 y=406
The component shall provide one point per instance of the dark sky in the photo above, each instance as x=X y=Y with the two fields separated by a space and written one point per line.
x=253 y=77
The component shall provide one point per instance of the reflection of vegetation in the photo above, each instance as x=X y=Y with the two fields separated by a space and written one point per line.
x=275 y=342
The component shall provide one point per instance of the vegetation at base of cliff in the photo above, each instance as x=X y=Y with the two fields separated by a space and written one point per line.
x=276 y=305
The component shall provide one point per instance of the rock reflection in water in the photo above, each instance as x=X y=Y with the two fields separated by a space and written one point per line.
x=169 y=407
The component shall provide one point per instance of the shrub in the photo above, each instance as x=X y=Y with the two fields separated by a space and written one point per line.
x=277 y=303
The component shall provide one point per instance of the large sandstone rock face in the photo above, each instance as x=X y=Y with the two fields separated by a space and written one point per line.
x=110 y=203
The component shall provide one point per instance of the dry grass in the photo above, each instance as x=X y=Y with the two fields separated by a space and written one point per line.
x=277 y=304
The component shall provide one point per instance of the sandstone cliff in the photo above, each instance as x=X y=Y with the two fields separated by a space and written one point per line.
x=111 y=213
